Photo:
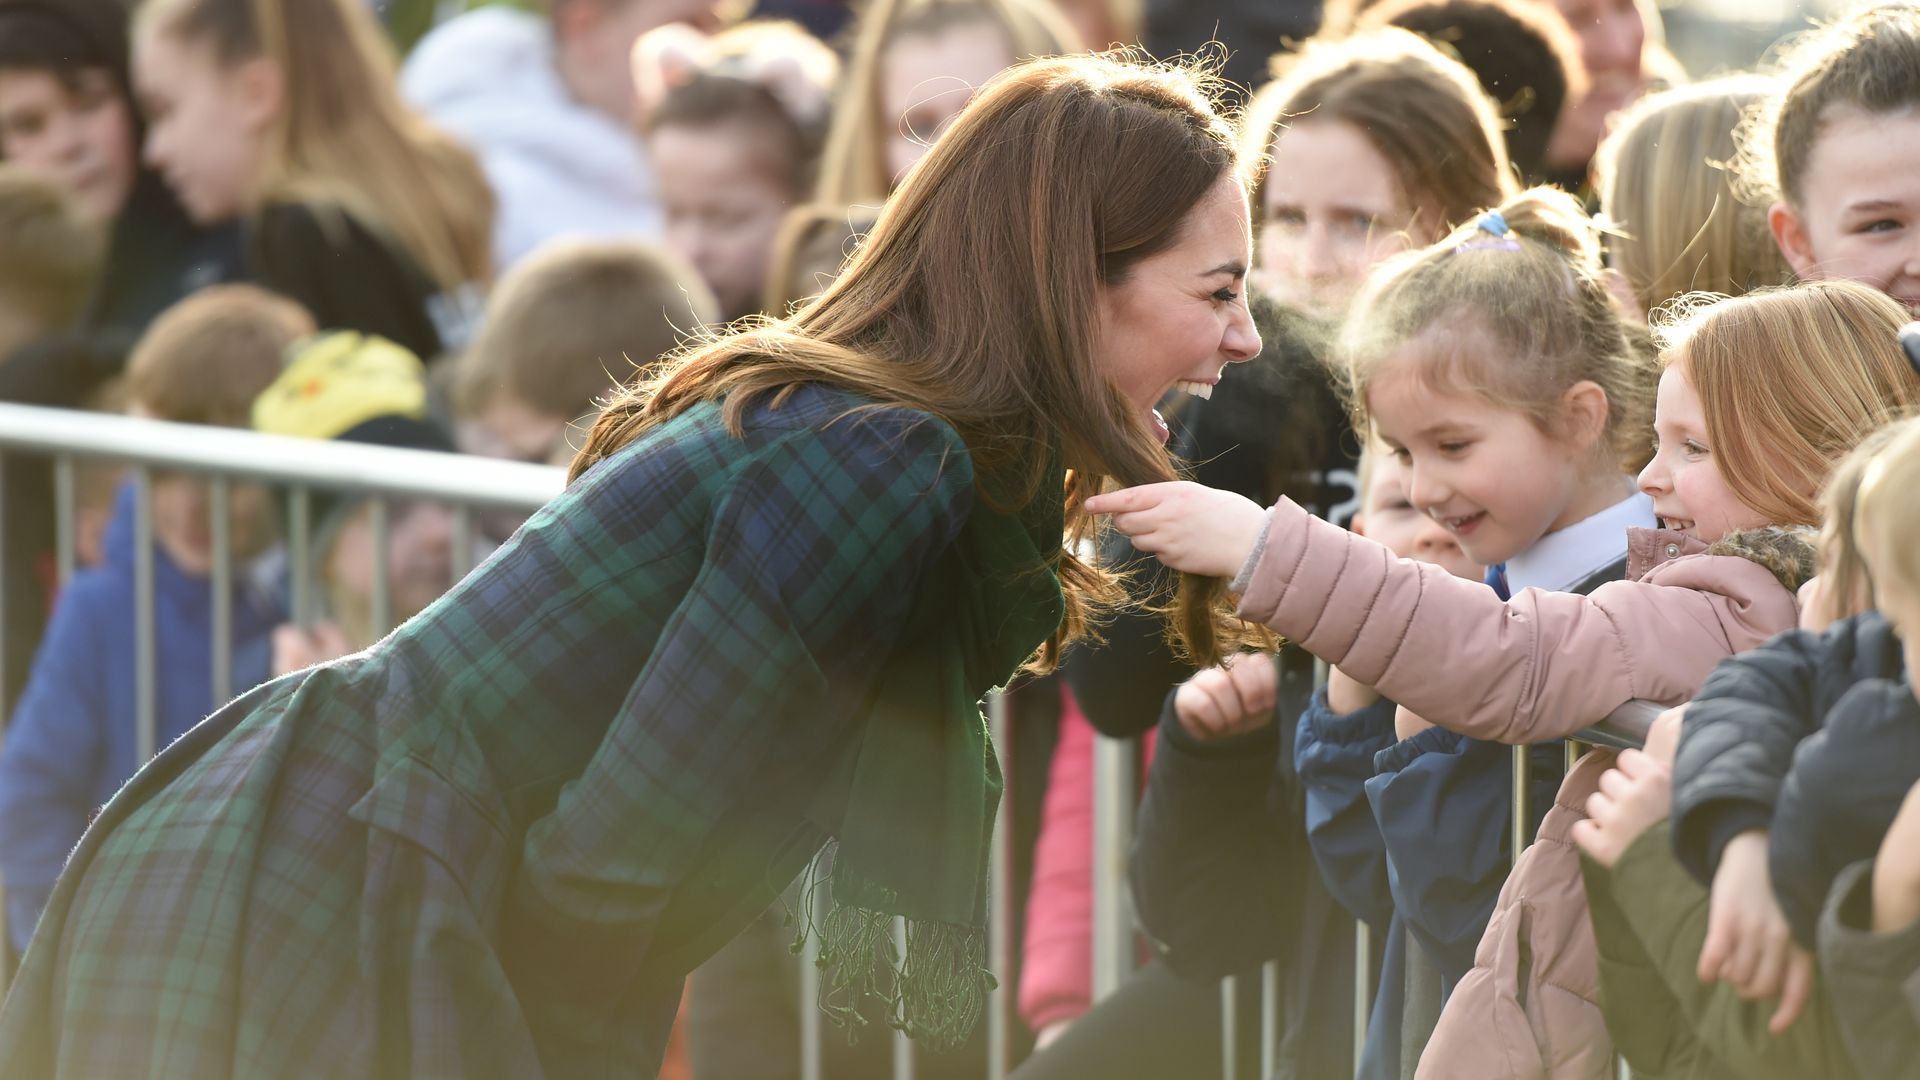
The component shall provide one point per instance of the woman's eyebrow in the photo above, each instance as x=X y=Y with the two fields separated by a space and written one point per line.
x=1233 y=268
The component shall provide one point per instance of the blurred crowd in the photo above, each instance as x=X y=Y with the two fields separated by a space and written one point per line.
x=403 y=225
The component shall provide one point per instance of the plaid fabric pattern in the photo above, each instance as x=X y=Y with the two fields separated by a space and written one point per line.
x=494 y=844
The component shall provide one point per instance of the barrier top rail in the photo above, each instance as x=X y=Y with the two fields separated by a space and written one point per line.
x=314 y=463
x=1625 y=728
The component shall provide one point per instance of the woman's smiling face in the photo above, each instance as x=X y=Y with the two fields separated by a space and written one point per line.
x=1180 y=316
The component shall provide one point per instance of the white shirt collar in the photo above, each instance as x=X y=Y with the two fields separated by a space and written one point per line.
x=1565 y=558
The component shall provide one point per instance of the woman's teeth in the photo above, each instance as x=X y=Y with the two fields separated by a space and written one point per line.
x=1203 y=391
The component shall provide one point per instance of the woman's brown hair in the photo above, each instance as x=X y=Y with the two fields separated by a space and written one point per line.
x=1425 y=113
x=1790 y=380
x=343 y=138
x=975 y=298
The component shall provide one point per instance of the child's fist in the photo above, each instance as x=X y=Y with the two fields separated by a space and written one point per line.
x=1229 y=700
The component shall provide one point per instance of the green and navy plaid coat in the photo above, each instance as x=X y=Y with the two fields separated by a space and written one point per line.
x=494 y=844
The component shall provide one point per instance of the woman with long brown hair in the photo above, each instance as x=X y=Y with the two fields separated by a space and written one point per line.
x=756 y=626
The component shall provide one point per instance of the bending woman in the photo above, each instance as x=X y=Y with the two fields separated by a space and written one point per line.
x=758 y=621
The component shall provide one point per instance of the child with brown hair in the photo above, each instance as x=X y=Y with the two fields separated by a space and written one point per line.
x=915 y=64
x=1837 y=152
x=735 y=136
x=1361 y=148
x=566 y=328
x=72 y=742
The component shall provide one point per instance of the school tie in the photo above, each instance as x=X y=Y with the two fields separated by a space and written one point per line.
x=1497 y=580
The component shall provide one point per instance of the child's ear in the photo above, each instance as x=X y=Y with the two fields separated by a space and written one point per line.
x=1790 y=234
x=262 y=89
x=1584 y=410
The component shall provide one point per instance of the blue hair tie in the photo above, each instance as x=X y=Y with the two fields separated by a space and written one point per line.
x=1499 y=235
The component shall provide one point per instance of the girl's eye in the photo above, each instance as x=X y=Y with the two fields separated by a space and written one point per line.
x=1454 y=447
x=1694 y=449
x=1287 y=215
x=1881 y=226
x=1226 y=296
x=1402 y=455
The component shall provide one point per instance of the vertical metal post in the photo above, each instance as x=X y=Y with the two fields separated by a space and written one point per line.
x=146 y=735
x=300 y=554
x=902 y=1046
x=1113 y=797
x=1575 y=748
x=1522 y=778
x=65 y=510
x=1362 y=985
x=6 y=939
x=1269 y=1017
x=221 y=501
x=1000 y=913
x=382 y=569
x=462 y=554
x=1229 y=1029
x=810 y=1021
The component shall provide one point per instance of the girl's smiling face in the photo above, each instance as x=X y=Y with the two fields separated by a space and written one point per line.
x=1689 y=493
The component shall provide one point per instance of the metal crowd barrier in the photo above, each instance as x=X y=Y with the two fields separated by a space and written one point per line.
x=466 y=484
x=226 y=456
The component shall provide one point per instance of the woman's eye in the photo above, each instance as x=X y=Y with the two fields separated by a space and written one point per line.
x=1226 y=296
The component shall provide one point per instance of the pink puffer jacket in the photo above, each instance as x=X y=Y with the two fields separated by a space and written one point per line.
x=1542 y=665
x=1530 y=1007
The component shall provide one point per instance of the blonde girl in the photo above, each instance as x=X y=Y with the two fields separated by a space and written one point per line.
x=285 y=114
x=1668 y=191
x=915 y=64
x=1359 y=149
x=1837 y=153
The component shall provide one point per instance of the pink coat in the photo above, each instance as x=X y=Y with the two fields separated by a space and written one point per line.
x=1540 y=666
x=1056 y=969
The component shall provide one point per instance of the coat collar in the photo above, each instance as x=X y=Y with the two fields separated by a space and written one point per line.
x=1648 y=548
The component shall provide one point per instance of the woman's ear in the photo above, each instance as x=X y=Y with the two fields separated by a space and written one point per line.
x=1790 y=234
x=1584 y=409
x=262 y=90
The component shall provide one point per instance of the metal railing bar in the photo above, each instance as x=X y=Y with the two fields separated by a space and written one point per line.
x=1000 y=915
x=902 y=1046
x=313 y=463
x=1113 y=798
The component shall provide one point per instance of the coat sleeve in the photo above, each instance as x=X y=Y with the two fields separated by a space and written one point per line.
x=1668 y=912
x=1840 y=797
x=1210 y=866
x=1740 y=734
x=51 y=763
x=1874 y=978
x=813 y=552
x=1333 y=755
x=1540 y=666
x=1443 y=802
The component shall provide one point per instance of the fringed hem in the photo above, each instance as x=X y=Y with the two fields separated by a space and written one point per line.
x=935 y=993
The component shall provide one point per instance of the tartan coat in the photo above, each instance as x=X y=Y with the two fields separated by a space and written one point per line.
x=493 y=844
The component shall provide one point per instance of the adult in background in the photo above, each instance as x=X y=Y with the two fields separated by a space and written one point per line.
x=756 y=627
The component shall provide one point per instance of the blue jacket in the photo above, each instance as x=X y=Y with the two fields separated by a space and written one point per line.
x=1334 y=754
x=71 y=743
